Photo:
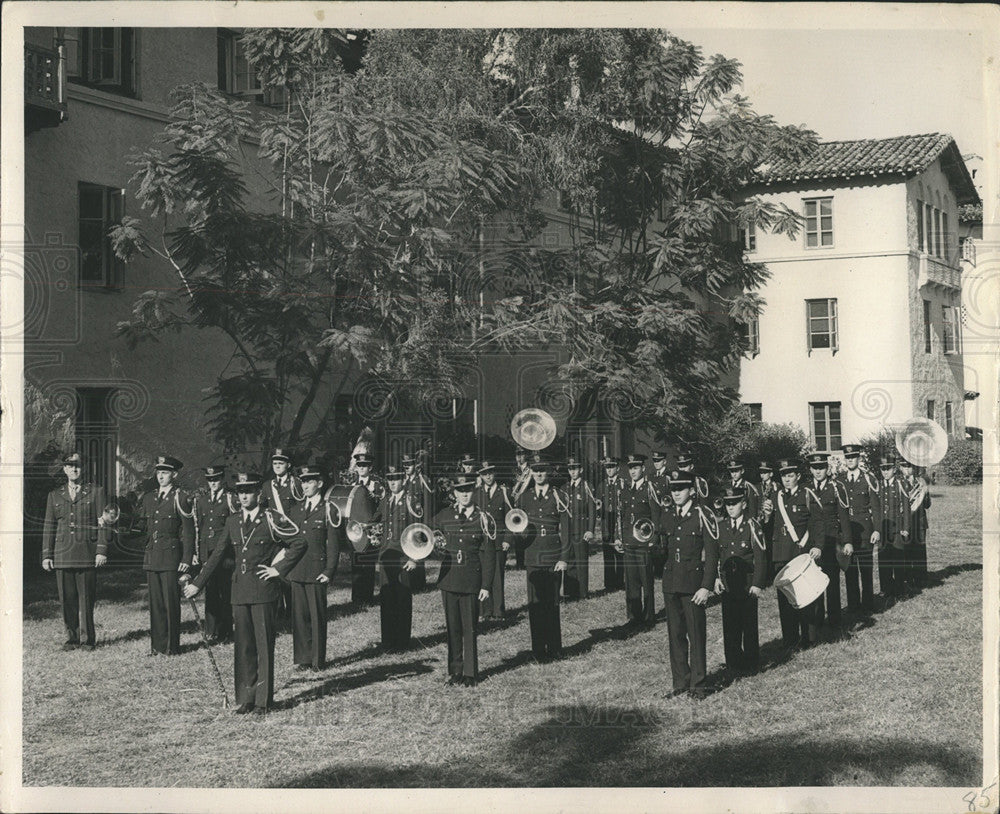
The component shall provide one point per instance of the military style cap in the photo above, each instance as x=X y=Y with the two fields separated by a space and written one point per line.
x=214 y=472
x=765 y=467
x=520 y=452
x=468 y=459
x=280 y=454
x=610 y=461
x=363 y=459
x=72 y=459
x=409 y=459
x=731 y=496
x=680 y=480
x=464 y=482
x=732 y=464
x=248 y=480
x=818 y=460
x=906 y=463
x=851 y=451
x=886 y=461
x=659 y=455
x=539 y=464
x=166 y=462
x=309 y=472
x=636 y=460
x=487 y=466
x=573 y=462
x=788 y=465
x=684 y=457
x=393 y=472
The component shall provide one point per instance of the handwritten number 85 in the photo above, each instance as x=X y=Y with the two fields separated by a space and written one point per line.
x=978 y=801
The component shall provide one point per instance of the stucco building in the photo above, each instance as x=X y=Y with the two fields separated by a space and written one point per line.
x=863 y=323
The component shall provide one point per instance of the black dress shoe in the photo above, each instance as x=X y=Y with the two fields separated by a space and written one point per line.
x=260 y=710
x=70 y=646
x=87 y=647
x=301 y=668
x=469 y=681
x=453 y=680
x=243 y=709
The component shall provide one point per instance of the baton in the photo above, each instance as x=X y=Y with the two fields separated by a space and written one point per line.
x=211 y=653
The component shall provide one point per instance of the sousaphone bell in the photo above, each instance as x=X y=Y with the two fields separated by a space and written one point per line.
x=921 y=441
x=516 y=521
x=643 y=529
x=533 y=428
x=417 y=541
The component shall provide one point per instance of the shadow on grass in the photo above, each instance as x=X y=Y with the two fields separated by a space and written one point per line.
x=356 y=680
x=622 y=746
x=189 y=626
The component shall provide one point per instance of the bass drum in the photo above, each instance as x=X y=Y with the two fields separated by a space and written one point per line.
x=347 y=504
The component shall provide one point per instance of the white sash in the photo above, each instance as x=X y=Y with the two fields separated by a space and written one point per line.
x=788 y=523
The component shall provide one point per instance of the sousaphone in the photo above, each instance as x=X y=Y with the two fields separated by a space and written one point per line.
x=417 y=541
x=533 y=428
x=351 y=507
x=921 y=441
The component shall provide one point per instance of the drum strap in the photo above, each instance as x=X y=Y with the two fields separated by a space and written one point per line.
x=788 y=523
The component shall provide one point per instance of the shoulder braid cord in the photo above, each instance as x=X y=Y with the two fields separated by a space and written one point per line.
x=416 y=511
x=277 y=532
x=489 y=524
x=197 y=535
x=872 y=482
x=328 y=503
x=277 y=498
x=755 y=534
x=709 y=523
x=233 y=503
x=598 y=503
x=560 y=504
x=698 y=482
x=294 y=482
x=506 y=497
x=841 y=492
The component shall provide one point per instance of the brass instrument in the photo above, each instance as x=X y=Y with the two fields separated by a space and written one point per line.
x=533 y=428
x=516 y=521
x=363 y=535
x=921 y=441
x=643 y=529
x=417 y=541
x=110 y=515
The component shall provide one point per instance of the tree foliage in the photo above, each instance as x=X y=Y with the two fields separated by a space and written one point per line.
x=391 y=185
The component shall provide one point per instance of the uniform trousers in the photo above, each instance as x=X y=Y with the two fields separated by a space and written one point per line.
x=363 y=577
x=916 y=558
x=461 y=616
x=543 y=611
x=494 y=607
x=687 y=631
x=576 y=577
x=892 y=571
x=395 y=599
x=418 y=577
x=740 y=634
x=77 y=594
x=640 y=604
x=218 y=604
x=253 y=653
x=799 y=626
x=309 y=623
x=860 y=581
x=164 y=611
x=614 y=568
x=829 y=565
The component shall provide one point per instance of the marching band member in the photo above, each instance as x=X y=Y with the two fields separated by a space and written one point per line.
x=891 y=553
x=418 y=490
x=736 y=481
x=283 y=489
x=639 y=501
x=796 y=524
x=609 y=515
x=689 y=535
x=546 y=553
x=212 y=506
x=253 y=542
x=831 y=498
x=576 y=580
x=769 y=489
x=166 y=516
x=363 y=563
x=742 y=554
x=466 y=571
x=75 y=545
x=522 y=481
x=660 y=479
x=685 y=465
x=914 y=529
x=396 y=511
x=309 y=564
x=494 y=498
x=863 y=509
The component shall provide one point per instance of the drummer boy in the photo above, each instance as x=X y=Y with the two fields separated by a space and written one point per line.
x=741 y=580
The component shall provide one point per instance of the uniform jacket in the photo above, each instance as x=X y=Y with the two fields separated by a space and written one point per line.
x=497 y=503
x=316 y=548
x=419 y=490
x=71 y=534
x=394 y=515
x=752 y=494
x=914 y=520
x=169 y=526
x=639 y=500
x=863 y=507
x=469 y=560
x=609 y=495
x=689 y=540
x=807 y=523
x=281 y=493
x=890 y=498
x=546 y=539
x=581 y=508
x=833 y=525
x=210 y=517
x=376 y=486
x=768 y=491
x=250 y=545
x=745 y=541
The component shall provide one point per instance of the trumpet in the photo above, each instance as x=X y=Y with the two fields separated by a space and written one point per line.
x=643 y=529
x=516 y=521
x=356 y=532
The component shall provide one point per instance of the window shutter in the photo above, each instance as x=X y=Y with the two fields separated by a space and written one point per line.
x=116 y=211
x=809 y=344
x=834 y=328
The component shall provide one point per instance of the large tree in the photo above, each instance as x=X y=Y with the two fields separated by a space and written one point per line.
x=400 y=189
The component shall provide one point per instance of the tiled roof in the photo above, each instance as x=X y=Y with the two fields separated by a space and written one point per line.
x=843 y=159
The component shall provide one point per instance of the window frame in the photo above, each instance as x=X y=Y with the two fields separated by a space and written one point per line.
x=928 y=331
x=83 y=67
x=950 y=336
x=949 y=418
x=930 y=409
x=818 y=218
x=832 y=319
x=112 y=268
x=920 y=226
x=824 y=411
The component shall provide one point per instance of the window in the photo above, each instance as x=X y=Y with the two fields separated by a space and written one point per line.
x=749 y=237
x=824 y=418
x=946 y=252
x=819 y=222
x=920 y=226
x=753 y=337
x=754 y=410
x=102 y=58
x=950 y=318
x=100 y=208
x=928 y=229
x=821 y=324
x=237 y=76
x=930 y=409
x=968 y=249
x=927 y=326
x=938 y=242
x=949 y=418
x=97 y=434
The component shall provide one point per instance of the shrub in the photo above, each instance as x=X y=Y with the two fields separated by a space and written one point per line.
x=963 y=463
x=751 y=442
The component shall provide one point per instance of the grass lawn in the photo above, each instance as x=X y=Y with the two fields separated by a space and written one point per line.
x=896 y=702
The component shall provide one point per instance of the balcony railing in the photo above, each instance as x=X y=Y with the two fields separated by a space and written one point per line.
x=44 y=87
x=935 y=271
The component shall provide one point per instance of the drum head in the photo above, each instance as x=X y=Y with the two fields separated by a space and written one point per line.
x=736 y=574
